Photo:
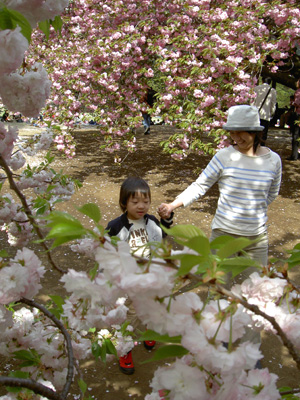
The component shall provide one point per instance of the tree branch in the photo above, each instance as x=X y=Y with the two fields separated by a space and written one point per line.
x=287 y=343
x=67 y=337
x=36 y=387
x=27 y=211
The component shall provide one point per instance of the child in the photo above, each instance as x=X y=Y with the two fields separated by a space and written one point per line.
x=136 y=227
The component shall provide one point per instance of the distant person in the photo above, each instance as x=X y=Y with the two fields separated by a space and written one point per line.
x=148 y=99
x=138 y=228
x=265 y=101
x=18 y=118
x=5 y=116
x=293 y=122
x=285 y=117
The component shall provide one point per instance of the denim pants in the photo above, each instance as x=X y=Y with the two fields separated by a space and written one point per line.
x=257 y=251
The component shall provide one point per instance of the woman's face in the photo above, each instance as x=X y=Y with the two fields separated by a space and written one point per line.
x=244 y=140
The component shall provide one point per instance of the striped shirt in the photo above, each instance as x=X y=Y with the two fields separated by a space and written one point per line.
x=247 y=185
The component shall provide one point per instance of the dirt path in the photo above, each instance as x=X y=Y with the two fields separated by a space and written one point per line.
x=101 y=180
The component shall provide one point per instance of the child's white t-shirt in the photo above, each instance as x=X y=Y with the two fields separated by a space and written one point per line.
x=139 y=238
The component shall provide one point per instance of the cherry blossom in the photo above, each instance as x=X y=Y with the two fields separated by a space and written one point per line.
x=26 y=93
x=12 y=48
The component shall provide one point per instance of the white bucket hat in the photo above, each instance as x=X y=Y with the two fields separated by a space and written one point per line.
x=243 y=118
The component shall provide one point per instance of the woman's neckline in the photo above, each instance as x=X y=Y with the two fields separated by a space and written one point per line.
x=261 y=151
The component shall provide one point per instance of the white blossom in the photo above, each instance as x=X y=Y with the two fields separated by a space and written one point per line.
x=12 y=48
x=26 y=93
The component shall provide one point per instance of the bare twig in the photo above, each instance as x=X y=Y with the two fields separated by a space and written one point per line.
x=252 y=307
x=67 y=337
x=28 y=212
x=36 y=387
x=229 y=295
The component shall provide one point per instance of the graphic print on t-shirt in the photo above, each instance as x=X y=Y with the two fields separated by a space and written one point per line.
x=139 y=238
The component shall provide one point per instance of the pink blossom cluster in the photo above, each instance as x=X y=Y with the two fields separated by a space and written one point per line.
x=184 y=382
x=203 y=60
x=30 y=330
x=21 y=278
x=65 y=143
x=26 y=93
x=25 y=88
x=121 y=274
x=99 y=302
x=266 y=293
x=12 y=48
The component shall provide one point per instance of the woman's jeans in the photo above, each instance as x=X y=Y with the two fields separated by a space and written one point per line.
x=258 y=251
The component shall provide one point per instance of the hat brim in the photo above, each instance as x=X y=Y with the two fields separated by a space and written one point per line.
x=243 y=128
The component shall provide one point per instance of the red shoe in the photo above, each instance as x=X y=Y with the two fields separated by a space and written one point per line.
x=126 y=364
x=149 y=344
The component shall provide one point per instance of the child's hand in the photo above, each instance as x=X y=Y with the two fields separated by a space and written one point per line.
x=165 y=210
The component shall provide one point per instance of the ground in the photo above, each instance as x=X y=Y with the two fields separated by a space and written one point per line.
x=101 y=179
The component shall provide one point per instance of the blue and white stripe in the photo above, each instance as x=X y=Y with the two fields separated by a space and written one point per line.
x=247 y=186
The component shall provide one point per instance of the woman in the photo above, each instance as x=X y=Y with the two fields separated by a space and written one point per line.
x=248 y=176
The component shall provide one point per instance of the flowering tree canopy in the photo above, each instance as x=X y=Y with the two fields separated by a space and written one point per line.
x=200 y=56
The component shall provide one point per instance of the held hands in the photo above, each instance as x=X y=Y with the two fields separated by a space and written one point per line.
x=165 y=210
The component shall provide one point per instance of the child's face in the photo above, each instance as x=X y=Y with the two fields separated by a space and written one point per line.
x=137 y=206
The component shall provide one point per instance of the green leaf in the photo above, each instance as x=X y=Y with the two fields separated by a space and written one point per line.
x=220 y=241
x=28 y=364
x=103 y=352
x=199 y=244
x=233 y=247
x=58 y=300
x=92 y=211
x=45 y=27
x=152 y=335
x=294 y=258
x=237 y=265
x=188 y=261
x=59 y=241
x=172 y=350
x=10 y=19
x=93 y=272
x=96 y=350
x=25 y=355
x=57 y=23
x=184 y=231
x=3 y=253
x=110 y=348
x=64 y=228
x=82 y=386
x=19 y=374
x=5 y=19
x=13 y=389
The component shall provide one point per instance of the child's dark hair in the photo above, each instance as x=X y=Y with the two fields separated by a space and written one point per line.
x=130 y=187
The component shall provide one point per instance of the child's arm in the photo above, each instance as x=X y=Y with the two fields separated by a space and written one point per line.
x=110 y=230
x=167 y=222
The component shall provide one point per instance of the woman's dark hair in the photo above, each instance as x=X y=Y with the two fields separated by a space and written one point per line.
x=257 y=140
x=130 y=187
